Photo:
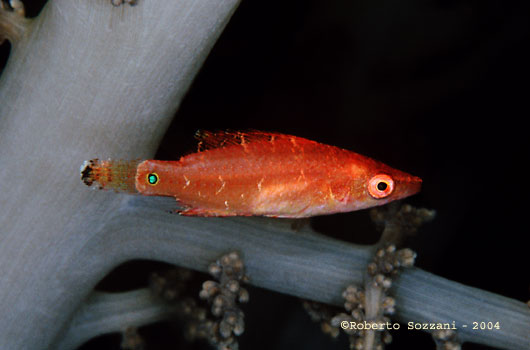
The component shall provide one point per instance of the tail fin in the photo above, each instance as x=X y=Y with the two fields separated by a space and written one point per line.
x=117 y=175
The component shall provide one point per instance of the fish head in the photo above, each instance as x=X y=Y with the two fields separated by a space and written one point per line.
x=374 y=183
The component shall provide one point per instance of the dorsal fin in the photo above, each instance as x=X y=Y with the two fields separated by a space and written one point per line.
x=210 y=140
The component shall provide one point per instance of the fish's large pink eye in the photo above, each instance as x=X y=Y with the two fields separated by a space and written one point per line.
x=380 y=186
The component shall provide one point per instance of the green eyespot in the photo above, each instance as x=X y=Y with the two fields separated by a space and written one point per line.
x=152 y=178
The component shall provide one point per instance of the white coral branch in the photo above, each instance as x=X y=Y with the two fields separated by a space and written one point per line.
x=313 y=266
x=87 y=80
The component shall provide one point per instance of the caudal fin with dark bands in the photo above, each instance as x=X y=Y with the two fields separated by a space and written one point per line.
x=117 y=175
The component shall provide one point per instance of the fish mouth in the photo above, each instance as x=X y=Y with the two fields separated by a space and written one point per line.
x=409 y=186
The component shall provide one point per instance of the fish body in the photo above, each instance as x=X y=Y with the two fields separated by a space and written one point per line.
x=259 y=173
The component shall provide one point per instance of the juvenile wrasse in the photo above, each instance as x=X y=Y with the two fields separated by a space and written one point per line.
x=258 y=173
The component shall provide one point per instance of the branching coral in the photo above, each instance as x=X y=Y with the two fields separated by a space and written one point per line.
x=323 y=314
x=446 y=339
x=224 y=297
x=16 y=6
x=372 y=305
x=89 y=80
x=269 y=245
x=370 y=308
x=12 y=21
x=170 y=284
x=399 y=221
x=85 y=79
x=132 y=340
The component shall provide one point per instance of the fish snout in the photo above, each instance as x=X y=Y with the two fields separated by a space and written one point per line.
x=408 y=186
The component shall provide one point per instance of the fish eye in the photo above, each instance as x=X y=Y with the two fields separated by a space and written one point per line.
x=380 y=186
x=152 y=179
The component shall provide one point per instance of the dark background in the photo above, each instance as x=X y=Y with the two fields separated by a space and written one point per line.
x=434 y=88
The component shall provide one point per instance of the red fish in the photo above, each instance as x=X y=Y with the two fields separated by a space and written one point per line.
x=259 y=173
